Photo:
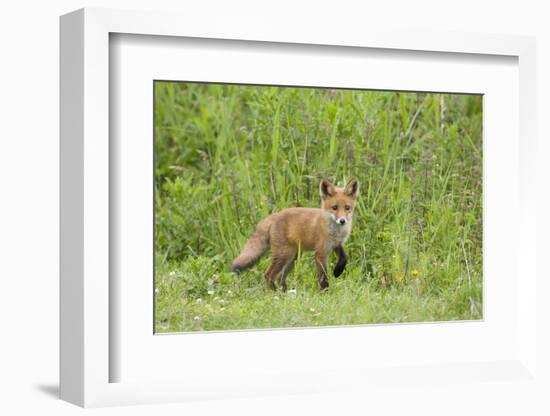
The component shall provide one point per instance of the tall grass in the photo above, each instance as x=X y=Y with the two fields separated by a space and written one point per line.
x=229 y=155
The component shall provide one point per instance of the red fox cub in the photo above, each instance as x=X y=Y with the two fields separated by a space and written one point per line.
x=320 y=230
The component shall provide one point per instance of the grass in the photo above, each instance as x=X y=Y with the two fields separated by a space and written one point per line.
x=229 y=155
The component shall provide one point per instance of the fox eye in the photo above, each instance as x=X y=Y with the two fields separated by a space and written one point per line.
x=347 y=207
x=334 y=207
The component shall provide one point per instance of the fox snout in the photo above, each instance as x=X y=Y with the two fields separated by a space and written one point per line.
x=341 y=221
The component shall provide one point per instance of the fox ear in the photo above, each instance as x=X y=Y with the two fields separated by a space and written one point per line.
x=326 y=189
x=352 y=188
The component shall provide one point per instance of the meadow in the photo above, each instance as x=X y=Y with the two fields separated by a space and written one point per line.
x=227 y=156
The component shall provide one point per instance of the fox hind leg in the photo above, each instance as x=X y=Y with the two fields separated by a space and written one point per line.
x=285 y=272
x=281 y=264
x=268 y=275
x=277 y=266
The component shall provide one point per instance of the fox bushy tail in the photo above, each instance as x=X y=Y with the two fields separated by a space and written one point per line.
x=253 y=249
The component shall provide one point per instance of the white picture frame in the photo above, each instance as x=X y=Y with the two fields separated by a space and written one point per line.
x=86 y=356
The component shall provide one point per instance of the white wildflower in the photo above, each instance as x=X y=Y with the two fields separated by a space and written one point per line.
x=199 y=300
x=292 y=292
x=210 y=292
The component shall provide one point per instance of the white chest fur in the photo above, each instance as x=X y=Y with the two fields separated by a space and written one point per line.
x=338 y=234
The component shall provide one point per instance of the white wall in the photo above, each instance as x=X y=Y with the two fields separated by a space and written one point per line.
x=29 y=185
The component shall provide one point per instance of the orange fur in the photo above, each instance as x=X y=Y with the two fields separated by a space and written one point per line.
x=321 y=230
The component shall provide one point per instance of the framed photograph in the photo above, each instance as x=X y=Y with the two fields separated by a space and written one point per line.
x=242 y=169
x=247 y=215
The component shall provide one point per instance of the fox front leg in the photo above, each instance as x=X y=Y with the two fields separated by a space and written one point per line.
x=342 y=261
x=321 y=266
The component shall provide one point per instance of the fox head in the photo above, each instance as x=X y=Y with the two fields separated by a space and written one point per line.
x=339 y=203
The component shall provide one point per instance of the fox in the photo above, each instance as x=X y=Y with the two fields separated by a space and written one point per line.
x=321 y=230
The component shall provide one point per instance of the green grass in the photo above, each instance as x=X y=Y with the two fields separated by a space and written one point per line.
x=228 y=155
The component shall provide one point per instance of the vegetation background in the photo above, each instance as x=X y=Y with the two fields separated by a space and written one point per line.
x=229 y=155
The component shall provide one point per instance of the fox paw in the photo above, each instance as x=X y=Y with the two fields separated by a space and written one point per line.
x=340 y=266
